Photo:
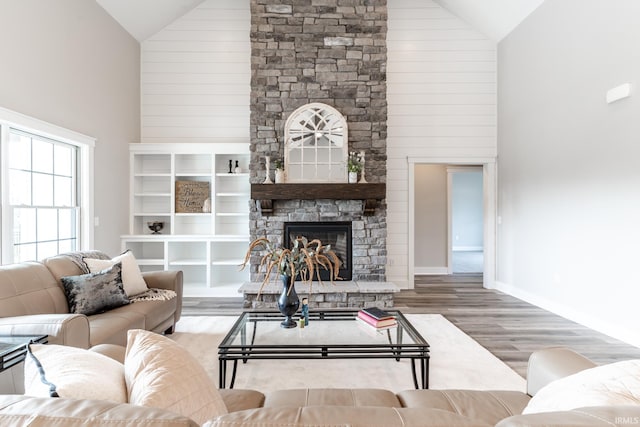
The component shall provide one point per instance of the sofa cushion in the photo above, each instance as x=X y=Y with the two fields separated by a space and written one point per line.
x=344 y=416
x=161 y=374
x=613 y=384
x=71 y=263
x=21 y=410
x=132 y=279
x=112 y=326
x=70 y=372
x=331 y=397
x=30 y=288
x=95 y=292
x=487 y=406
x=239 y=400
x=154 y=312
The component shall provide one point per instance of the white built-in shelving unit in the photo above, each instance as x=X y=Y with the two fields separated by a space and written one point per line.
x=207 y=246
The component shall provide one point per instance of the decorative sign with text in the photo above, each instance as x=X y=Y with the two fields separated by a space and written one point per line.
x=191 y=195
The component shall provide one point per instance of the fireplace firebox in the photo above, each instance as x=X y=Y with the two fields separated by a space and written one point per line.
x=336 y=234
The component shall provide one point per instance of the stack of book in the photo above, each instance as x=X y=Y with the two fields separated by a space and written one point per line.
x=378 y=318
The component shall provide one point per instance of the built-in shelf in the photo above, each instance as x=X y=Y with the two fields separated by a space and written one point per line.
x=370 y=194
x=206 y=246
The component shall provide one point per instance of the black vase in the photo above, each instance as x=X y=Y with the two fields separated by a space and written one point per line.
x=288 y=302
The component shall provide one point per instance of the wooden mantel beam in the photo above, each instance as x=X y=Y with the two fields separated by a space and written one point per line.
x=265 y=194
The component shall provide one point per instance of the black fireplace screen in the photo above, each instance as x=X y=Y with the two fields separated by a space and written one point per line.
x=336 y=234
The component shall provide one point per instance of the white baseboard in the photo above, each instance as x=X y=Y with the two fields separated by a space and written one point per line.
x=612 y=330
x=430 y=270
x=467 y=248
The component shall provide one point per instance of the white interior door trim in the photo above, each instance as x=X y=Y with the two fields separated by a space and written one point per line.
x=489 y=177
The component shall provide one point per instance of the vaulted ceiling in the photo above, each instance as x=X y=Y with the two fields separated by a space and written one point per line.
x=144 y=18
x=493 y=18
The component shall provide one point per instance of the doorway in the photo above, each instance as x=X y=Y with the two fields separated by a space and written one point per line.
x=415 y=244
x=465 y=219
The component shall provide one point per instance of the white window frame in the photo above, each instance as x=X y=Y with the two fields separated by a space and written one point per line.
x=85 y=144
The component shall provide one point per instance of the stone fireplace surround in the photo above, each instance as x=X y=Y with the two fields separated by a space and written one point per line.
x=334 y=52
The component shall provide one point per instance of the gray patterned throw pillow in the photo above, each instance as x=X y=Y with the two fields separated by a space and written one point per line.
x=95 y=292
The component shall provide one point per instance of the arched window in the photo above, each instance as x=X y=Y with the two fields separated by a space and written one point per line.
x=316 y=147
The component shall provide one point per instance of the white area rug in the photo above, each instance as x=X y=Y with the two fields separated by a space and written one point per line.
x=457 y=361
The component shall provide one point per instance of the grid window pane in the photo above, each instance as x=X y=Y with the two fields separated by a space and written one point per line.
x=47 y=249
x=20 y=191
x=19 y=152
x=43 y=186
x=24 y=225
x=42 y=156
x=63 y=160
x=63 y=191
x=47 y=225
x=66 y=246
x=66 y=224
x=23 y=253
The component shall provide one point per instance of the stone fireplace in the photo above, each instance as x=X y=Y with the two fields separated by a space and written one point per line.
x=333 y=52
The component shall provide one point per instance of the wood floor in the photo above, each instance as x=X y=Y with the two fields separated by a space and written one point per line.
x=508 y=327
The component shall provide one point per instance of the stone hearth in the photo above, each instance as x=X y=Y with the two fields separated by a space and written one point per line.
x=351 y=294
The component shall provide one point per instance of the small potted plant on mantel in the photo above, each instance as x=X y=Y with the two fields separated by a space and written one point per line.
x=279 y=171
x=304 y=259
x=354 y=165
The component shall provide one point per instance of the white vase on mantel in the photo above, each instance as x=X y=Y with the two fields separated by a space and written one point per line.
x=279 y=176
x=353 y=177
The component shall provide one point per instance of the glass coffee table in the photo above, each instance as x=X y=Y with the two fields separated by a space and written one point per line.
x=334 y=334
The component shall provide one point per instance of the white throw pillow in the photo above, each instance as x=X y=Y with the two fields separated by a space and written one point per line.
x=161 y=374
x=132 y=279
x=612 y=384
x=62 y=371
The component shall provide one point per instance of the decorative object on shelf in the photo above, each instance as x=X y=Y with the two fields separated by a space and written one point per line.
x=288 y=302
x=190 y=196
x=206 y=206
x=267 y=166
x=305 y=311
x=354 y=165
x=304 y=259
x=237 y=168
x=155 y=226
x=362 y=178
x=279 y=172
x=230 y=166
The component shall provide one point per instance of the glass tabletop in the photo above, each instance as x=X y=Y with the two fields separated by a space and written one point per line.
x=325 y=328
x=13 y=348
x=11 y=342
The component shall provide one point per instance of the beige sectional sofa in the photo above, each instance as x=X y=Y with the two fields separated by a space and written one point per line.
x=33 y=302
x=343 y=407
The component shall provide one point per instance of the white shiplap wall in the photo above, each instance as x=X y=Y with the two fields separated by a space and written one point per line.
x=195 y=76
x=441 y=93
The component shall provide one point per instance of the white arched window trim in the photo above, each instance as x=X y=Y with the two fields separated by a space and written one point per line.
x=316 y=146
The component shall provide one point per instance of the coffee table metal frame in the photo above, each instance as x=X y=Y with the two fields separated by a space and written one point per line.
x=396 y=349
x=13 y=348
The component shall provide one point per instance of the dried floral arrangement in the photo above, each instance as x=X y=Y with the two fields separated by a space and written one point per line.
x=304 y=259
